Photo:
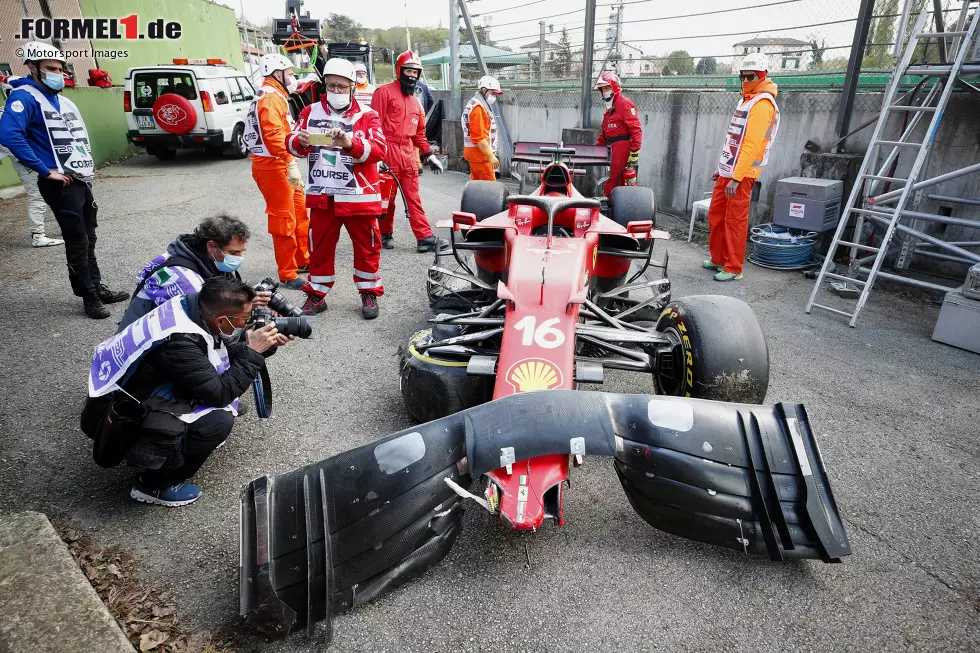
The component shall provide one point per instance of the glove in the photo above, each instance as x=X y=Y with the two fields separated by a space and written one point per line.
x=434 y=164
x=633 y=159
x=292 y=174
x=484 y=148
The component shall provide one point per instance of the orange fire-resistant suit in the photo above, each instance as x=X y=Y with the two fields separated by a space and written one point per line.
x=285 y=205
x=745 y=152
x=480 y=127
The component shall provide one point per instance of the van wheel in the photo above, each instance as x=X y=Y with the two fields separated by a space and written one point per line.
x=237 y=149
x=163 y=154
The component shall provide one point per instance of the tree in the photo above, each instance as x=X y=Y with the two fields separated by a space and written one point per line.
x=339 y=27
x=706 y=66
x=818 y=51
x=881 y=33
x=680 y=62
x=563 y=56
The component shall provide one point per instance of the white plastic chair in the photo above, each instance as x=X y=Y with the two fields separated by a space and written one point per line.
x=697 y=207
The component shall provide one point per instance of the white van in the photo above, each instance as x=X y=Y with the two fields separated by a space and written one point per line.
x=194 y=103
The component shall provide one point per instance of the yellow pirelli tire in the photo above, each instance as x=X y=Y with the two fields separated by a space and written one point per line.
x=435 y=387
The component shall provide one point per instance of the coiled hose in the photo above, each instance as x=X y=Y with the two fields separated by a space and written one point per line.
x=781 y=248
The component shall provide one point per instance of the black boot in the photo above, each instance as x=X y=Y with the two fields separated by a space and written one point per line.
x=369 y=306
x=94 y=307
x=430 y=244
x=388 y=241
x=110 y=297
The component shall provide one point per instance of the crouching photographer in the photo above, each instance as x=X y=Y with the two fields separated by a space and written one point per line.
x=163 y=392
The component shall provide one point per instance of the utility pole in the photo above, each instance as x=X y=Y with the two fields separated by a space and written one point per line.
x=861 y=29
x=587 y=48
x=541 y=52
x=505 y=151
x=452 y=84
x=408 y=35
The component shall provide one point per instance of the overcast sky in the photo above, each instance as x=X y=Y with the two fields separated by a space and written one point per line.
x=699 y=35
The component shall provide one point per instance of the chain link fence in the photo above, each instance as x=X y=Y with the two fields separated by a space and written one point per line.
x=540 y=45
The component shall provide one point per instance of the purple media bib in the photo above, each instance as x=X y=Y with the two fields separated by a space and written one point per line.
x=115 y=356
x=167 y=283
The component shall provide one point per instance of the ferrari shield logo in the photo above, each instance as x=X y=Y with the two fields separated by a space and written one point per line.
x=533 y=374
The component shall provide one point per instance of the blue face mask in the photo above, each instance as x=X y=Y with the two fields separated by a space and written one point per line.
x=230 y=264
x=54 y=81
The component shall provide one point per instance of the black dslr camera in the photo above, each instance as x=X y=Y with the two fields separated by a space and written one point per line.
x=287 y=326
x=278 y=303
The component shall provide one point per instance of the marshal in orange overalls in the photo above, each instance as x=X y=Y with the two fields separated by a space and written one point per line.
x=285 y=204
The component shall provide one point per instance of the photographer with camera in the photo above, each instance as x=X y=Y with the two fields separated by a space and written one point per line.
x=216 y=248
x=163 y=393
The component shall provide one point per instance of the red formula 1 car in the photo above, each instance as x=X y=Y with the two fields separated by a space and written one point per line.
x=540 y=293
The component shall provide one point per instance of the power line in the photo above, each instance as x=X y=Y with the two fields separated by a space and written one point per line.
x=546 y=18
x=526 y=4
x=705 y=36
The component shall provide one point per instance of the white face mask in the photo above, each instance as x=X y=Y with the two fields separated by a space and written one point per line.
x=361 y=79
x=607 y=97
x=490 y=98
x=292 y=84
x=338 y=101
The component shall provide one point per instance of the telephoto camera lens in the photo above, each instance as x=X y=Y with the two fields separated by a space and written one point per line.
x=294 y=326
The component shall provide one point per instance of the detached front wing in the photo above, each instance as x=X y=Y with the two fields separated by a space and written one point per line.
x=338 y=533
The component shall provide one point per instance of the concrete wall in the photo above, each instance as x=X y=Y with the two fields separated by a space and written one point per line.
x=682 y=132
x=208 y=30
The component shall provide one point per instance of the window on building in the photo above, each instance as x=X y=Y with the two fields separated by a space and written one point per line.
x=791 y=63
x=6 y=70
x=745 y=50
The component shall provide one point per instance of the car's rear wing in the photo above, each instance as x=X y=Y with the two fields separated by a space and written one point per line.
x=584 y=156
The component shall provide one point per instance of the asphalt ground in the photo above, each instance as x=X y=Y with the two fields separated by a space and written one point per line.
x=896 y=416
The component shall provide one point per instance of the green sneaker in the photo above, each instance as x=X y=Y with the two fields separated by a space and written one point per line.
x=711 y=265
x=727 y=276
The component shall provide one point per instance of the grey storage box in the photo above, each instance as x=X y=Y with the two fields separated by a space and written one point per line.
x=959 y=322
x=806 y=203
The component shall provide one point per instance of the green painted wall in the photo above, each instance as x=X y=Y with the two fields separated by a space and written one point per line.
x=8 y=177
x=208 y=31
x=102 y=110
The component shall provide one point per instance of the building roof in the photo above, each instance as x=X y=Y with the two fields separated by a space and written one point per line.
x=548 y=45
x=491 y=55
x=773 y=41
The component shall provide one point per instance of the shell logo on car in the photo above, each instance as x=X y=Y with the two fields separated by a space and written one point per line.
x=533 y=374
x=171 y=114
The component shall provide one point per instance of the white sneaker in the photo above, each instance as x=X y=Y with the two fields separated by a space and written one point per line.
x=40 y=240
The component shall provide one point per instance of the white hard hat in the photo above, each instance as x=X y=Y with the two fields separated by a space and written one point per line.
x=339 y=67
x=755 y=61
x=38 y=51
x=360 y=67
x=270 y=63
x=490 y=83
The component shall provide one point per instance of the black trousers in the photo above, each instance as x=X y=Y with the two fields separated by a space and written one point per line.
x=202 y=438
x=75 y=210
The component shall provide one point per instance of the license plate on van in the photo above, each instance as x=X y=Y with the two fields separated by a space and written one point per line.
x=145 y=122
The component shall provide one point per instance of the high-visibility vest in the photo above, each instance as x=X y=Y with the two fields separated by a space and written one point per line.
x=67 y=135
x=475 y=100
x=253 y=132
x=736 y=136
x=363 y=96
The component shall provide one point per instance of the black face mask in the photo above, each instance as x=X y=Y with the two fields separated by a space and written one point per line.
x=408 y=84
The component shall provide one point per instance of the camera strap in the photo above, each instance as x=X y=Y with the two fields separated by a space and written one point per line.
x=262 y=392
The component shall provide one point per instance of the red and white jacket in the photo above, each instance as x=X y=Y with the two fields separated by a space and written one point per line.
x=350 y=178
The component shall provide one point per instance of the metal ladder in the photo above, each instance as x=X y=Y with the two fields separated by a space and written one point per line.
x=871 y=206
